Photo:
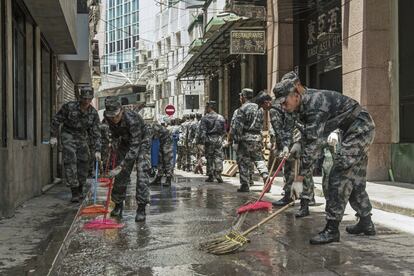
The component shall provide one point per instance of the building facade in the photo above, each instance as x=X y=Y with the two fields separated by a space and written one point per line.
x=41 y=43
x=121 y=33
x=362 y=49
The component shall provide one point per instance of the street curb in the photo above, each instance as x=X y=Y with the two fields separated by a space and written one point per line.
x=376 y=204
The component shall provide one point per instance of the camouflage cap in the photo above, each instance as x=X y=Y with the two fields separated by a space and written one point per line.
x=262 y=96
x=211 y=104
x=112 y=106
x=283 y=88
x=86 y=92
x=247 y=93
x=290 y=76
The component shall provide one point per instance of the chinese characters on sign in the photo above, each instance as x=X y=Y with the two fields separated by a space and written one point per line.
x=324 y=33
x=250 y=11
x=247 y=42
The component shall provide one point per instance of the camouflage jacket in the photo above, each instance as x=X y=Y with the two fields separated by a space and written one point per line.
x=248 y=123
x=283 y=125
x=80 y=124
x=160 y=132
x=322 y=112
x=128 y=135
x=232 y=125
x=192 y=131
x=211 y=125
x=183 y=133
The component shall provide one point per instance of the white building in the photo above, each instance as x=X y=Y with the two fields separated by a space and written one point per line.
x=163 y=51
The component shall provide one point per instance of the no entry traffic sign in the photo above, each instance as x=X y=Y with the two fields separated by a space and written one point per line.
x=170 y=110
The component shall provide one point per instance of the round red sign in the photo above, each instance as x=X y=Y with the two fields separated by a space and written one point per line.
x=170 y=110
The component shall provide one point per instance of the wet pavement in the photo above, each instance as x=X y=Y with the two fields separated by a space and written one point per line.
x=192 y=211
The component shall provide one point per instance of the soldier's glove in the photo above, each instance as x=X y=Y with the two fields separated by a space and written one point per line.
x=333 y=139
x=115 y=171
x=295 y=150
x=235 y=146
x=284 y=152
x=225 y=144
x=296 y=190
x=98 y=156
x=269 y=146
x=53 y=141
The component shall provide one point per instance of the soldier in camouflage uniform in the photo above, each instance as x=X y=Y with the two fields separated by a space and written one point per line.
x=160 y=132
x=182 y=144
x=247 y=139
x=106 y=142
x=80 y=120
x=132 y=144
x=198 y=166
x=321 y=113
x=191 y=145
x=211 y=136
x=288 y=138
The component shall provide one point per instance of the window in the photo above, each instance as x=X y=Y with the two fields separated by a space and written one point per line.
x=191 y=102
x=113 y=68
x=19 y=75
x=3 y=115
x=46 y=80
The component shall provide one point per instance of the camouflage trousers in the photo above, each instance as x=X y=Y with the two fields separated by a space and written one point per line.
x=165 y=165
x=123 y=179
x=75 y=159
x=289 y=178
x=215 y=156
x=249 y=153
x=180 y=157
x=189 y=157
x=347 y=178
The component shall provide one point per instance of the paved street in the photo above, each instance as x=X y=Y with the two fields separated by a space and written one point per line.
x=192 y=211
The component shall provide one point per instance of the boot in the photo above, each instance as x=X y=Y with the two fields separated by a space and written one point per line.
x=243 y=189
x=140 y=216
x=157 y=180
x=210 y=179
x=304 y=208
x=312 y=201
x=285 y=200
x=117 y=211
x=75 y=195
x=219 y=179
x=364 y=225
x=167 y=181
x=329 y=234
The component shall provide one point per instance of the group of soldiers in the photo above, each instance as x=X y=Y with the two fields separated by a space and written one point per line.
x=305 y=125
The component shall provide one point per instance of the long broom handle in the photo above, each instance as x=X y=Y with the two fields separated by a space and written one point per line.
x=267 y=219
x=270 y=182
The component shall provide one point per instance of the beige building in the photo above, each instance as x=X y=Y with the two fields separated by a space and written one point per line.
x=362 y=48
x=44 y=56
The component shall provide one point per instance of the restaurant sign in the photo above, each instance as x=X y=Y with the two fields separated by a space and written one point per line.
x=249 y=42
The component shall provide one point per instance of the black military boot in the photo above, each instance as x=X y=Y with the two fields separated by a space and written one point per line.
x=329 y=234
x=117 y=211
x=167 y=181
x=364 y=225
x=210 y=179
x=304 y=208
x=140 y=216
x=75 y=195
x=285 y=200
x=243 y=189
x=219 y=179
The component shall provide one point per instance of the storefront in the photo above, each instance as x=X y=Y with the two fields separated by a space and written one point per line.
x=317 y=40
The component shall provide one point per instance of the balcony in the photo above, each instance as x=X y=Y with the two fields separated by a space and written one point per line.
x=196 y=45
x=217 y=22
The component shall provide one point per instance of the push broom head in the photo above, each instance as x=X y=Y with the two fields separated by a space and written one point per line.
x=256 y=206
x=230 y=243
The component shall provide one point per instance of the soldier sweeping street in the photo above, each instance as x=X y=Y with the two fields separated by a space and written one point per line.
x=80 y=121
x=132 y=144
x=165 y=169
x=288 y=139
x=211 y=136
x=247 y=139
x=321 y=113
